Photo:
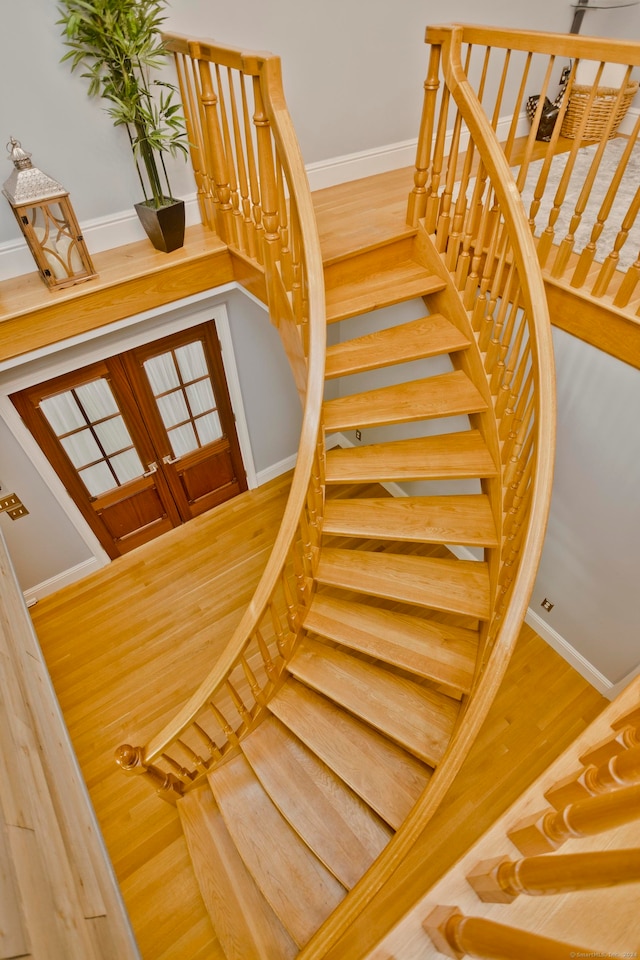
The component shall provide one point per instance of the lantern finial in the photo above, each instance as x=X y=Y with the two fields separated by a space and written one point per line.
x=20 y=158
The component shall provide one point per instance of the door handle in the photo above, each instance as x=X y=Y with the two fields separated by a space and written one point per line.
x=169 y=459
x=151 y=469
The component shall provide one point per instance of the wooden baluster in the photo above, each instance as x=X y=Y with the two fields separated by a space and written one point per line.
x=217 y=158
x=458 y=936
x=566 y=247
x=515 y=496
x=543 y=176
x=246 y=235
x=293 y=617
x=238 y=703
x=521 y=386
x=194 y=137
x=548 y=831
x=211 y=745
x=281 y=640
x=417 y=204
x=511 y=346
x=548 y=235
x=444 y=214
x=629 y=284
x=131 y=760
x=473 y=278
x=298 y=296
x=608 y=268
x=208 y=184
x=626 y=735
x=224 y=724
x=183 y=772
x=254 y=686
x=517 y=446
x=588 y=254
x=502 y=330
x=621 y=770
x=285 y=251
x=234 y=196
x=270 y=668
x=433 y=188
x=517 y=108
x=199 y=762
x=268 y=186
x=503 y=880
x=519 y=397
x=257 y=232
x=454 y=245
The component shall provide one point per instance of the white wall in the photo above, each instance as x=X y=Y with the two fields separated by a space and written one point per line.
x=590 y=564
x=353 y=72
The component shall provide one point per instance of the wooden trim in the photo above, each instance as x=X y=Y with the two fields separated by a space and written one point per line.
x=595 y=322
x=132 y=279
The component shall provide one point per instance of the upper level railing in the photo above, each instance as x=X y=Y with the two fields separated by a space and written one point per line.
x=253 y=191
x=580 y=185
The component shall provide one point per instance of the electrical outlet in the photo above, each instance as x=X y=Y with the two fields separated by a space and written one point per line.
x=548 y=606
x=9 y=501
x=358 y=434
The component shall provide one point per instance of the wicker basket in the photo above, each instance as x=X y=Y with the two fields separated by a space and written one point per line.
x=605 y=102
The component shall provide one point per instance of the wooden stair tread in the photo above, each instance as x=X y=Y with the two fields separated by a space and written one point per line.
x=455 y=586
x=417 y=718
x=450 y=456
x=445 y=395
x=298 y=887
x=427 y=337
x=464 y=519
x=386 y=777
x=244 y=922
x=403 y=281
x=334 y=822
x=446 y=655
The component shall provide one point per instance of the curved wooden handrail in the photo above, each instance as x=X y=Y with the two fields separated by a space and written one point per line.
x=265 y=69
x=506 y=622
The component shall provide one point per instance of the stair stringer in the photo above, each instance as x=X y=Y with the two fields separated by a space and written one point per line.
x=492 y=661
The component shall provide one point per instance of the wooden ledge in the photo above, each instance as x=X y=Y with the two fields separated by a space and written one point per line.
x=130 y=279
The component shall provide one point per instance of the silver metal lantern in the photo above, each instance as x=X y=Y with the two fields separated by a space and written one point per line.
x=45 y=215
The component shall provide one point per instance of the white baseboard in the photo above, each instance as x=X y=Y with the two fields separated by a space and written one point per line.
x=276 y=469
x=570 y=654
x=366 y=163
x=80 y=570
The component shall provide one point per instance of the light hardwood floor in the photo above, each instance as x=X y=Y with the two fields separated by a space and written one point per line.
x=127 y=645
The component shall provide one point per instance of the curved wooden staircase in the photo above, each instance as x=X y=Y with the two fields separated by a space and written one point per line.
x=319 y=746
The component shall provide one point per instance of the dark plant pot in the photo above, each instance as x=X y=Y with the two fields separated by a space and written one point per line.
x=163 y=225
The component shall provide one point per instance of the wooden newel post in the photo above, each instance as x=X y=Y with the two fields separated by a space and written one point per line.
x=458 y=936
x=502 y=880
x=130 y=759
x=544 y=832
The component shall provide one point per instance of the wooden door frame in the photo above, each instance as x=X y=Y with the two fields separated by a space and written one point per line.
x=65 y=356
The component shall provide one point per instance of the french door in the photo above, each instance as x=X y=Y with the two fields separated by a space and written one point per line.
x=142 y=441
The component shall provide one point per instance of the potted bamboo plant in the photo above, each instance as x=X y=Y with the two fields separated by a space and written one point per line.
x=119 y=45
